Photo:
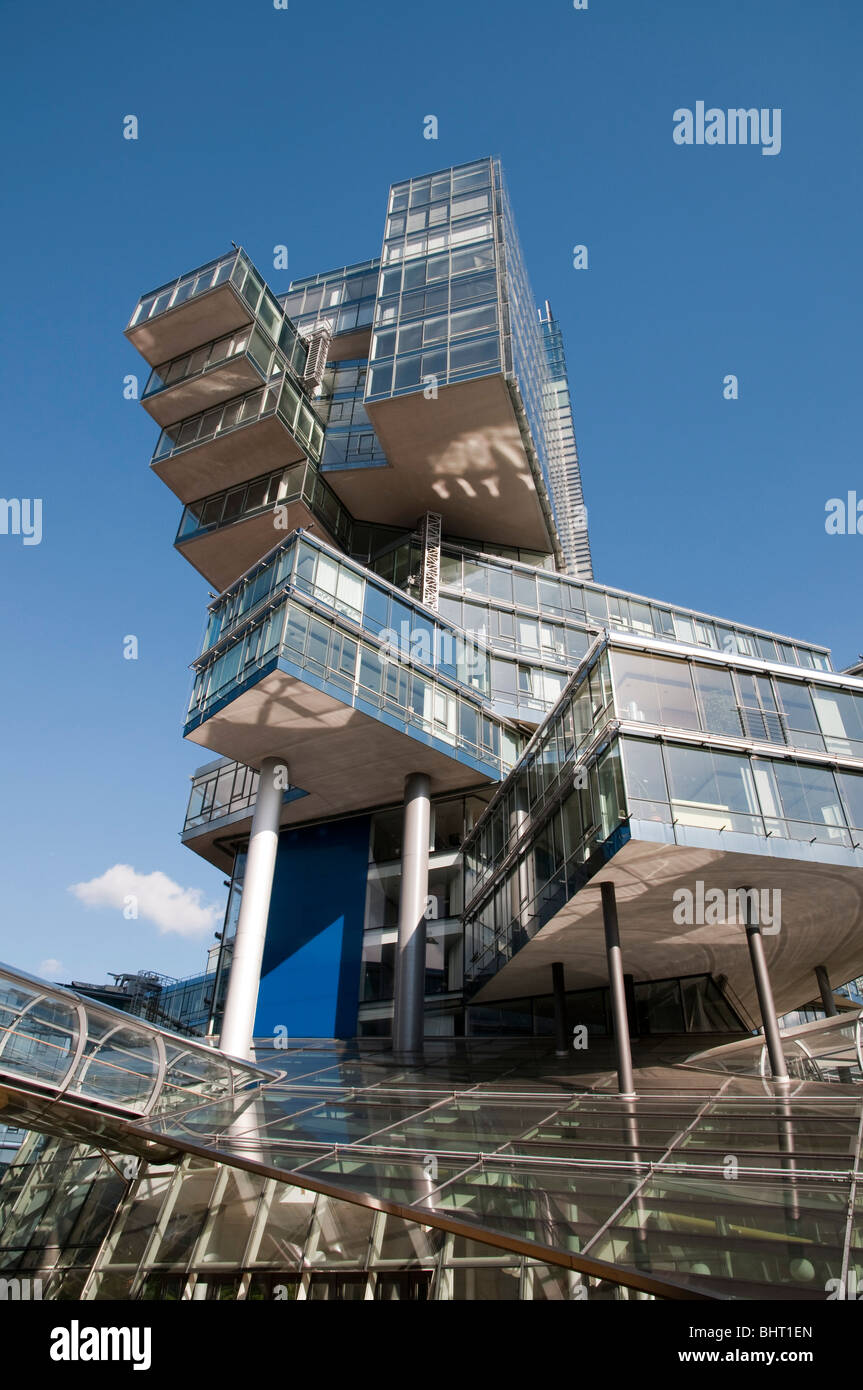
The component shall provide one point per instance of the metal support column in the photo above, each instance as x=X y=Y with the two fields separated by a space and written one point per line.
x=561 y=1036
x=411 y=949
x=241 y=1003
x=763 y=989
x=625 y=1082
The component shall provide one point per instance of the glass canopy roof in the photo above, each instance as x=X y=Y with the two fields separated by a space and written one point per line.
x=709 y=1184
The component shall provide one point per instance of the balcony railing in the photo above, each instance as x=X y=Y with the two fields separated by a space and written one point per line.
x=223 y=367
x=291 y=628
x=236 y=272
x=220 y=792
x=300 y=482
x=185 y=287
x=280 y=399
x=305 y=564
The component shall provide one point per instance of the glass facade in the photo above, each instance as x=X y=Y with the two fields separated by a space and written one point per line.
x=250 y=342
x=234 y=270
x=438 y=312
x=586 y=776
x=738 y=703
x=351 y=441
x=344 y=299
x=593 y=607
x=280 y=400
x=300 y=482
x=564 y=468
x=218 y=791
x=371 y=647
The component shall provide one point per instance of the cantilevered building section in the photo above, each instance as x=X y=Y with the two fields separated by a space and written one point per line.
x=566 y=474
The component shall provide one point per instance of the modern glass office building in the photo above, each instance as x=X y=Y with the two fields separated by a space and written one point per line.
x=523 y=868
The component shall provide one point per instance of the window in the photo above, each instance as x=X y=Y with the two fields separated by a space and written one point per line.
x=597 y=606
x=528 y=636
x=503 y=678
x=653 y=690
x=712 y=790
x=483 y=352
x=645 y=775
x=851 y=786
x=525 y=590
x=715 y=690
x=577 y=643
x=809 y=796
x=473 y=320
x=840 y=716
x=758 y=711
x=370 y=669
x=470 y=205
x=470 y=289
x=796 y=702
x=500 y=583
x=407 y=373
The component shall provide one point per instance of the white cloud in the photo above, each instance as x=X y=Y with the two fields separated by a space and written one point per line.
x=50 y=969
x=152 y=896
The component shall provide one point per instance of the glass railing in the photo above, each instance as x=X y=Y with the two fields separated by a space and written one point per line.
x=280 y=399
x=401 y=625
x=185 y=287
x=236 y=270
x=220 y=791
x=84 y=1051
x=359 y=670
x=299 y=482
x=250 y=342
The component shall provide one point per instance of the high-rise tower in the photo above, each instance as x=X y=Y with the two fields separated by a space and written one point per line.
x=408 y=656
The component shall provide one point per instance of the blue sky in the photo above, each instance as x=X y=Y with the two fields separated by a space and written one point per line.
x=286 y=127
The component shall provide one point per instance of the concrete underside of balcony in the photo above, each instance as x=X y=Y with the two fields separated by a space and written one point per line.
x=196 y=321
x=226 y=552
x=821 y=922
x=344 y=759
x=236 y=457
x=344 y=347
x=461 y=455
x=187 y=398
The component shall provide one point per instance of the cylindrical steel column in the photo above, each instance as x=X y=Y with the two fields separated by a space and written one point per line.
x=625 y=1081
x=241 y=1003
x=826 y=991
x=411 y=949
x=764 y=991
x=561 y=1036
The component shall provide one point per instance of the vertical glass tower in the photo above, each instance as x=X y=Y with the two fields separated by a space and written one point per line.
x=571 y=511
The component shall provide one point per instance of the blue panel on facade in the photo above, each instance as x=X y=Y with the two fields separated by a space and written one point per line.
x=311 y=968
